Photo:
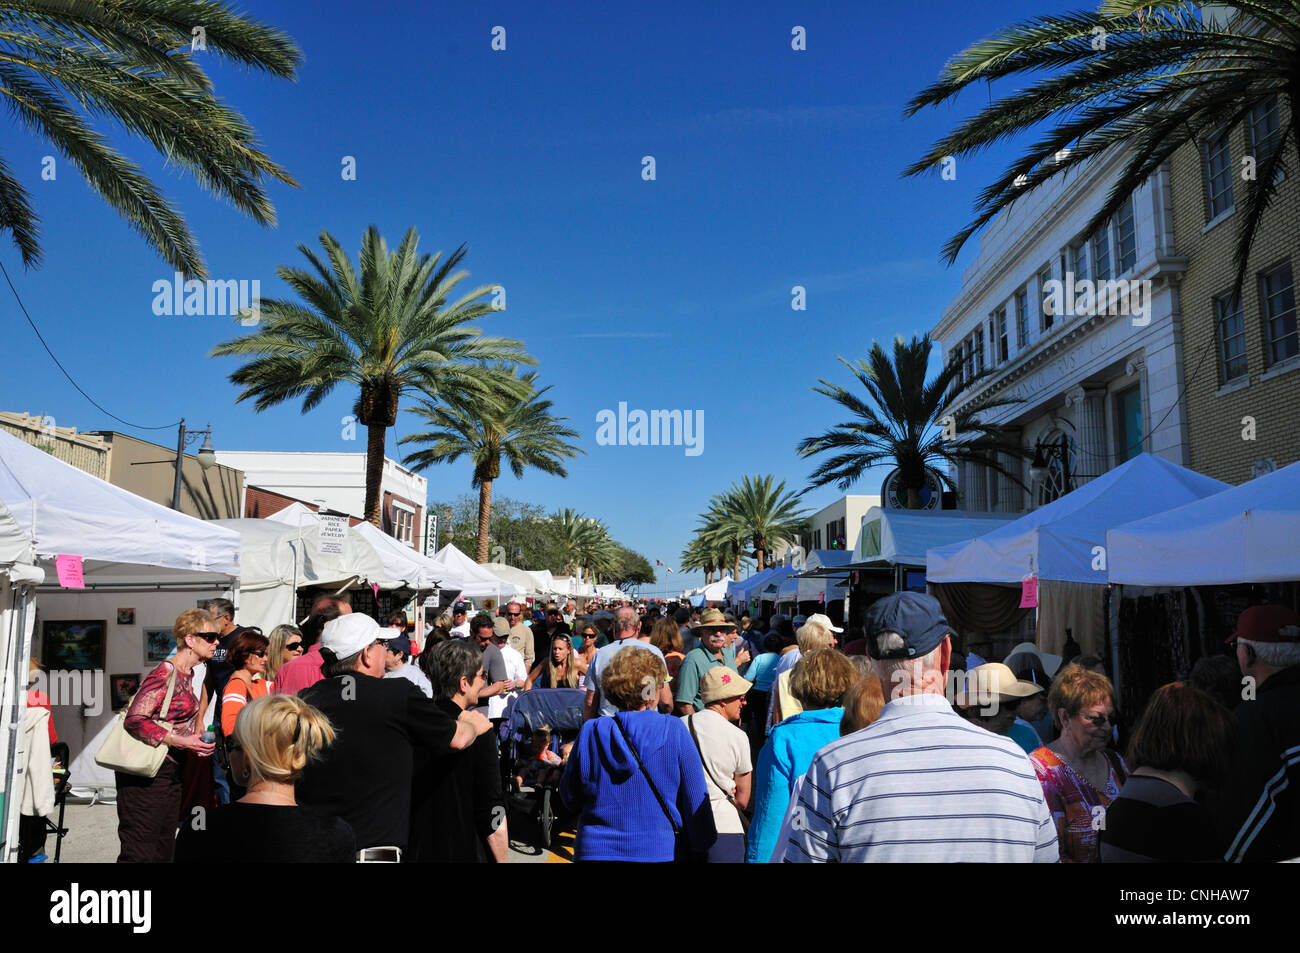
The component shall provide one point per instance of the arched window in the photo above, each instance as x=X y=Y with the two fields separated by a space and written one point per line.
x=1059 y=480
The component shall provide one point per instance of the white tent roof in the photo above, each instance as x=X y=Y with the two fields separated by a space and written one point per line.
x=476 y=582
x=902 y=537
x=368 y=552
x=525 y=580
x=799 y=588
x=121 y=537
x=1248 y=533
x=1057 y=541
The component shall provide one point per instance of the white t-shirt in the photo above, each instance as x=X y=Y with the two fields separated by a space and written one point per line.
x=515 y=671
x=461 y=631
x=724 y=750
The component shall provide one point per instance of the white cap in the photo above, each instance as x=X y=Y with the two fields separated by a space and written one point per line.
x=818 y=618
x=349 y=634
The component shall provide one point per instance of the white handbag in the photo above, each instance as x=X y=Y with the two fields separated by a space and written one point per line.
x=122 y=751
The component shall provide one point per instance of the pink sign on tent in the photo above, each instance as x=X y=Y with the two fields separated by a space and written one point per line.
x=375 y=587
x=1029 y=592
x=70 y=572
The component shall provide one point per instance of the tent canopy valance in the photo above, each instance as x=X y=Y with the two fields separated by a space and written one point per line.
x=892 y=537
x=1247 y=533
x=1064 y=539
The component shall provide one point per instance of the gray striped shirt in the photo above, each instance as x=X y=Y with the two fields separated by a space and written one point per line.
x=921 y=784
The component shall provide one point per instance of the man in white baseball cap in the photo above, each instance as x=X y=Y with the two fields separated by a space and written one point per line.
x=365 y=776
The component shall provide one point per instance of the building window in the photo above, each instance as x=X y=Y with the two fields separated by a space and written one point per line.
x=1218 y=175
x=1231 y=326
x=1022 y=320
x=1001 y=349
x=1101 y=252
x=403 y=524
x=1265 y=131
x=1060 y=468
x=817 y=539
x=963 y=359
x=977 y=349
x=1125 y=238
x=1045 y=312
x=1079 y=261
x=1278 y=296
x=1128 y=429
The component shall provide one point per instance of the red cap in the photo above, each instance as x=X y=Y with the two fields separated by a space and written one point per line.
x=1268 y=624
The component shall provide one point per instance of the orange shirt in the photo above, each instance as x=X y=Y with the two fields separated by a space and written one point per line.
x=236 y=695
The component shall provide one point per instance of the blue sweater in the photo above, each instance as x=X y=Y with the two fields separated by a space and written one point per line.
x=620 y=817
x=786 y=757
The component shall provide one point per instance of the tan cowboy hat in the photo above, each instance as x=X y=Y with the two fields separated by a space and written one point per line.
x=993 y=681
x=714 y=619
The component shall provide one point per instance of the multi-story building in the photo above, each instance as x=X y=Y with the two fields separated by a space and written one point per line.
x=146 y=469
x=1080 y=330
x=336 y=481
x=1241 y=356
x=835 y=526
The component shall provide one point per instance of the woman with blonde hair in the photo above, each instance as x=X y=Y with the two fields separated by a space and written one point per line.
x=284 y=645
x=559 y=669
x=164 y=712
x=1079 y=771
x=277 y=735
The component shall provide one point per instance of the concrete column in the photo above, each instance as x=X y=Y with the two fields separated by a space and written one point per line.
x=1093 y=458
x=979 y=488
x=1010 y=496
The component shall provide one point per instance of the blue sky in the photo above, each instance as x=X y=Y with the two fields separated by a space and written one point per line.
x=774 y=168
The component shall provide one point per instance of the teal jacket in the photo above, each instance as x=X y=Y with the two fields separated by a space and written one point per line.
x=786 y=757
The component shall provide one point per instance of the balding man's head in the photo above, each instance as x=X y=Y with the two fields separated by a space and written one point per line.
x=626 y=623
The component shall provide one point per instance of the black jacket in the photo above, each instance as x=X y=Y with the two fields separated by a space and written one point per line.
x=1261 y=799
x=365 y=776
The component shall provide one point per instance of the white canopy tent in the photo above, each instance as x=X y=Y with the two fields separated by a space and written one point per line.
x=476 y=581
x=126 y=544
x=892 y=537
x=1247 y=533
x=818 y=587
x=529 y=582
x=1060 y=541
x=740 y=592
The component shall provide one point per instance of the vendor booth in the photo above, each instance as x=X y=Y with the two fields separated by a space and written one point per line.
x=1054 y=559
x=475 y=581
x=741 y=594
x=814 y=587
x=116 y=570
x=1184 y=576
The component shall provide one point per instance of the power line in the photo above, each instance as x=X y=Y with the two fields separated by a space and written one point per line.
x=60 y=366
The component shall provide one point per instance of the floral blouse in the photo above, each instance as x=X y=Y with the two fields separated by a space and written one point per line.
x=141 y=717
x=1074 y=802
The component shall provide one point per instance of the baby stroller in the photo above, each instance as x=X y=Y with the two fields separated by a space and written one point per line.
x=561 y=709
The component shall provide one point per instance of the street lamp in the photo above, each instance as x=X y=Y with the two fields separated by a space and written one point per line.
x=207 y=457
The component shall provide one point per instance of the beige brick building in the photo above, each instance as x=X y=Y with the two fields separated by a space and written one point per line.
x=1241 y=363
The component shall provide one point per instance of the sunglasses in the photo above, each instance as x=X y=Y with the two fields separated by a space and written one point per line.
x=513 y=615
x=209 y=637
x=294 y=646
x=1098 y=721
x=260 y=653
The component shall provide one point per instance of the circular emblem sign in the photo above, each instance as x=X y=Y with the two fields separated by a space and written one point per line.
x=893 y=496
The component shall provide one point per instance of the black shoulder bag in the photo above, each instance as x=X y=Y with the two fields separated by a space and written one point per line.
x=682 y=852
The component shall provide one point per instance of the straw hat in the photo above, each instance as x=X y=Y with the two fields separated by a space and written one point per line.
x=721 y=684
x=714 y=619
x=993 y=681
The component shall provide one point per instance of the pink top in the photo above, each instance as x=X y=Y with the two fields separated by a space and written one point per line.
x=1077 y=807
x=141 y=717
x=299 y=673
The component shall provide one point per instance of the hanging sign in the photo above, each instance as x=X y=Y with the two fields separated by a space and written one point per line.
x=70 y=572
x=1029 y=592
x=333 y=530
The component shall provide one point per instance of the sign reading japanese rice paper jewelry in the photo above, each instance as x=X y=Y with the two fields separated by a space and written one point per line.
x=333 y=531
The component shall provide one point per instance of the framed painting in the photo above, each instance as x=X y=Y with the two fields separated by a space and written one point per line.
x=158 y=645
x=76 y=646
x=122 y=687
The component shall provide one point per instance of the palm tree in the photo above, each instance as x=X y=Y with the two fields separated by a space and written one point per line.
x=580 y=539
x=768 y=514
x=901 y=423
x=524 y=432
x=62 y=62
x=1148 y=77
x=391 y=330
x=725 y=532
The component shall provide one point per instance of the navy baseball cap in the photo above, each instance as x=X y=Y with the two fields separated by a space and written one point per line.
x=400 y=644
x=915 y=616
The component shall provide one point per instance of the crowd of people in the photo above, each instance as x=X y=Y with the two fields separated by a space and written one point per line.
x=680 y=734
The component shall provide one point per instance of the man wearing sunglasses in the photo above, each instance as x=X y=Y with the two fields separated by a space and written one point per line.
x=365 y=776
x=521 y=636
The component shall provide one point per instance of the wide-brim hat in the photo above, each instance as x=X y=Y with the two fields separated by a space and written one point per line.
x=721 y=684
x=714 y=619
x=1050 y=663
x=994 y=681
